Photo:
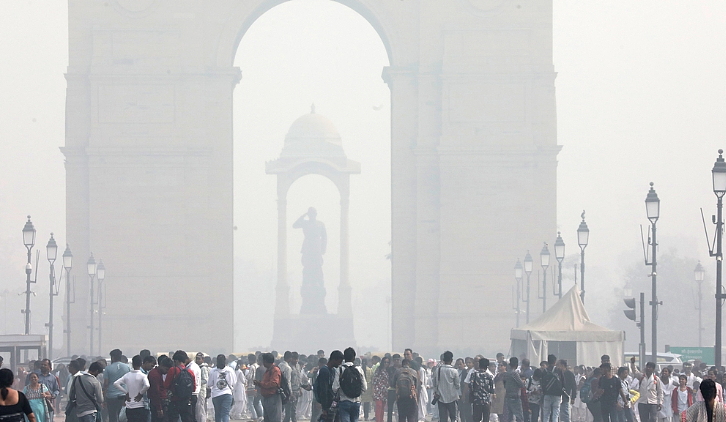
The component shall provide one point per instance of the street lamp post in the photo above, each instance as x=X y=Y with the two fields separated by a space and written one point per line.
x=560 y=256
x=652 y=208
x=719 y=188
x=528 y=270
x=91 y=273
x=29 y=241
x=699 y=274
x=67 y=265
x=52 y=253
x=518 y=278
x=583 y=236
x=101 y=275
x=544 y=257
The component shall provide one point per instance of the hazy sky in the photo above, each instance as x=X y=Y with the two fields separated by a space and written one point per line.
x=641 y=97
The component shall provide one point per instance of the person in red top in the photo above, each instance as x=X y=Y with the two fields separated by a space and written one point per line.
x=682 y=397
x=157 y=392
x=271 y=401
x=179 y=407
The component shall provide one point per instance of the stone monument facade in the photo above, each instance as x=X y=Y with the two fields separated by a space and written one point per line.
x=148 y=155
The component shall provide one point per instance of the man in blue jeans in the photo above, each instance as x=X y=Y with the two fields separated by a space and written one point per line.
x=552 y=379
x=348 y=407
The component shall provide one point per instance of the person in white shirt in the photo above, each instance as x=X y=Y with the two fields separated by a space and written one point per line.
x=201 y=410
x=240 y=393
x=690 y=376
x=253 y=398
x=134 y=384
x=192 y=366
x=222 y=379
x=348 y=407
x=651 y=393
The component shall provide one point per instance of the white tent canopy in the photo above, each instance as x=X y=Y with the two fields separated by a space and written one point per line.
x=566 y=331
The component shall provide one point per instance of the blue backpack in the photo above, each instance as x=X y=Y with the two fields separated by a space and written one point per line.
x=586 y=391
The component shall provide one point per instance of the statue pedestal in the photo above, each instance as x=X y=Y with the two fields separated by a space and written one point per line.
x=307 y=334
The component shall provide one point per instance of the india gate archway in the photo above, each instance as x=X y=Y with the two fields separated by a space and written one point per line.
x=149 y=163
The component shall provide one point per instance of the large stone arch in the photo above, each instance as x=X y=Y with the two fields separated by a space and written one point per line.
x=149 y=162
x=245 y=14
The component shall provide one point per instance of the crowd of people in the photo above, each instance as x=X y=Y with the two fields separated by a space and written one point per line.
x=344 y=387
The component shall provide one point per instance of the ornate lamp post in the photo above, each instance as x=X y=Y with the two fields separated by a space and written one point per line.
x=518 y=278
x=101 y=275
x=583 y=236
x=528 y=270
x=544 y=257
x=699 y=274
x=718 y=175
x=67 y=265
x=51 y=250
x=91 y=264
x=560 y=256
x=29 y=241
x=652 y=208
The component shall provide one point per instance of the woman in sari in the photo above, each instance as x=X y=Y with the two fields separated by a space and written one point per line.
x=708 y=410
x=380 y=387
x=37 y=394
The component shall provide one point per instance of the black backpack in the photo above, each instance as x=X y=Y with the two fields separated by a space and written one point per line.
x=551 y=383
x=183 y=386
x=284 y=390
x=351 y=382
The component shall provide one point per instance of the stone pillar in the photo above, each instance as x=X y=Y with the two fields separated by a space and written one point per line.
x=282 y=290
x=345 y=301
x=78 y=116
x=404 y=122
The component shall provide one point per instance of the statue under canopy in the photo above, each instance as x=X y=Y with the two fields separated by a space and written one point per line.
x=313 y=249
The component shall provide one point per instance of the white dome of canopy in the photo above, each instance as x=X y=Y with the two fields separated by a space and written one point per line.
x=313 y=134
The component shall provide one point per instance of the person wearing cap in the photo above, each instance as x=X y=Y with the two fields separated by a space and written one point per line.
x=115 y=398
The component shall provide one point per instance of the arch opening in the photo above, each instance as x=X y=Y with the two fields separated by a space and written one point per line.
x=242 y=19
x=298 y=53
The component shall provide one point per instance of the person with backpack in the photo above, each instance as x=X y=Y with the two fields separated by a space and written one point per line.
x=349 y=383
x=405 y=382
x=534 y=394
x=222 y=380
x=579 y=409
x=651 y=393
x=323 y=386
x=270 y=389
x=482 y=388
x=569 y=390
x=180 y=385
x=552 y=387
x=86 y=397
x=591 y=394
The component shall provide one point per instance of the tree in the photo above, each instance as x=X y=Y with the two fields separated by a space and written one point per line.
x=678 y=315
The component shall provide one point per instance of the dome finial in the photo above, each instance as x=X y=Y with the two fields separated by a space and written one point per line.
x=312 y=109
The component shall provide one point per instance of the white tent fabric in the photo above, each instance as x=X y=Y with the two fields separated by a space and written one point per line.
x=567 y=321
